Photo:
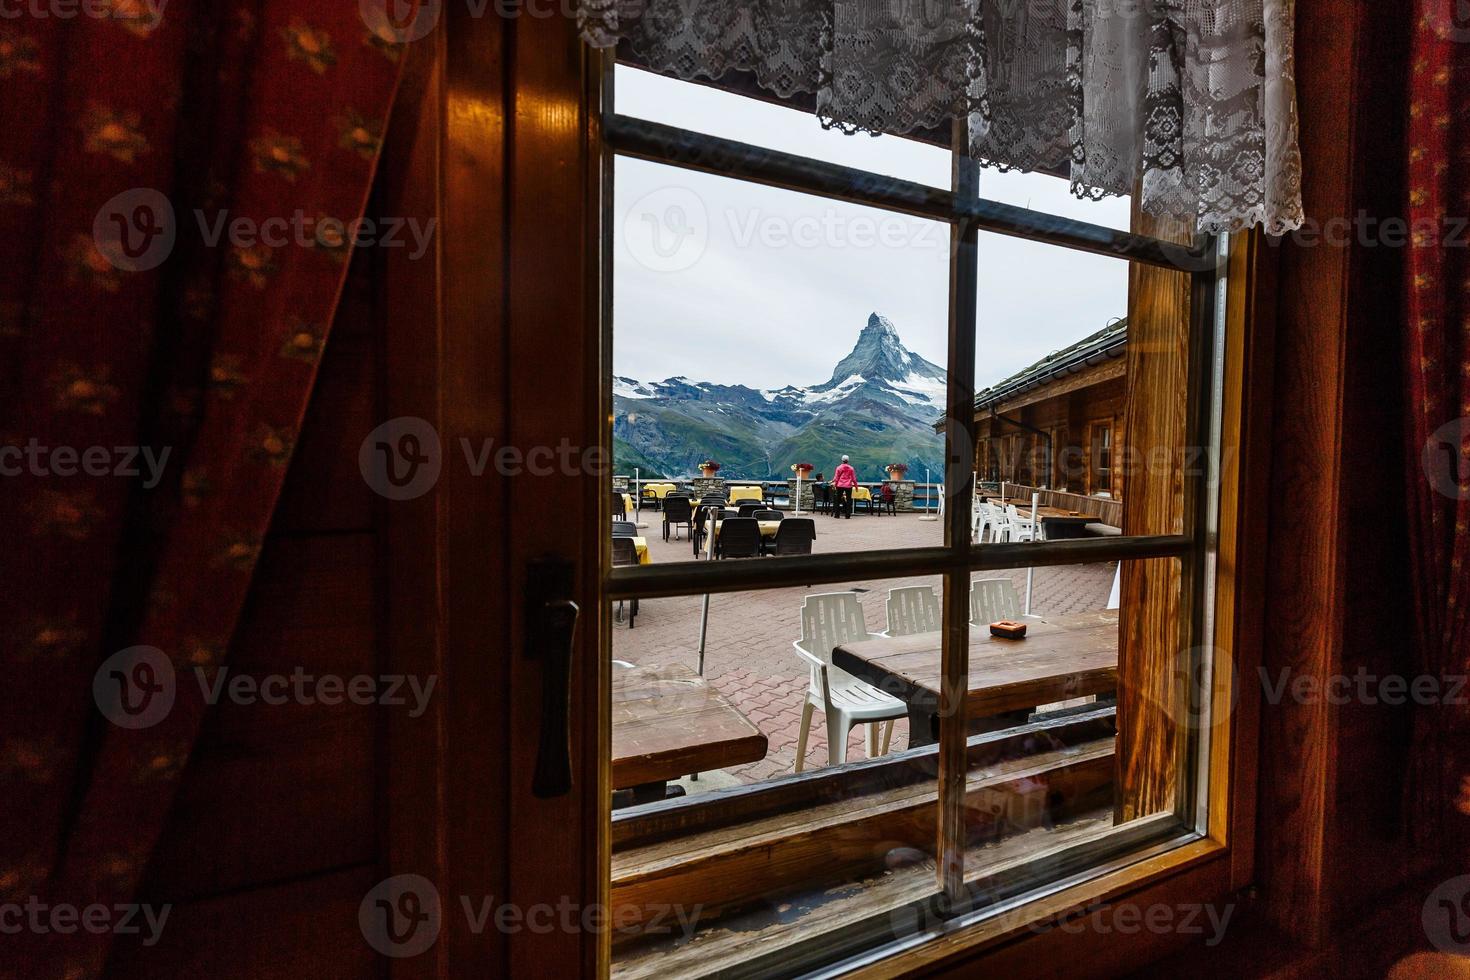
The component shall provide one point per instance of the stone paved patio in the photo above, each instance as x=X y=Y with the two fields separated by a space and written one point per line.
x=749 y=656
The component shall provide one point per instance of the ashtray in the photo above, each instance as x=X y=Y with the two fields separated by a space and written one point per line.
x=1008 y=629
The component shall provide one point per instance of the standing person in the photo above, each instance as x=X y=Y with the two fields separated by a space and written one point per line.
x=843 y=481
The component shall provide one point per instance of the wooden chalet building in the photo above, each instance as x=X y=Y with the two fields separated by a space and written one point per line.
x=1055 y=424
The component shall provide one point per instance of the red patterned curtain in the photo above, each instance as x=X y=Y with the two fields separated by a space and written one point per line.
x=157 y=356
x=1438 y=366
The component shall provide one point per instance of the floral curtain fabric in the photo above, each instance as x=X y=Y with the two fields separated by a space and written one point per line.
x=154 y=370
x=1189 y=103
x=1437 y=365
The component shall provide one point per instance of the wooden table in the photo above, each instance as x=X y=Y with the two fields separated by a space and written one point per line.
x=1061 y=657
x=668 y=722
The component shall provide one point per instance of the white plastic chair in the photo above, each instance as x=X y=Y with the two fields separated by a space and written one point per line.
x=912 y=609
x=1000 y=529
x=827 y=620
x=1019 y=528
x=993 y=600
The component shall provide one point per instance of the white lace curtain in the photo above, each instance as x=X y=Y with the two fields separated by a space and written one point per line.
x=1189 y=103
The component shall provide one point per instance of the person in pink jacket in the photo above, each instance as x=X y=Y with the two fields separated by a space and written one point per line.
x=843 y=481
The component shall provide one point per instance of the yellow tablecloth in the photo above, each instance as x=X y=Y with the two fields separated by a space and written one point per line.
x=627 y=503
x=658 y=490
x=640 y=545
x=861 y=493
x=768 y=528
x=746 y=493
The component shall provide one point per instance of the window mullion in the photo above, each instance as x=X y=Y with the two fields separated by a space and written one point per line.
x=958 y=488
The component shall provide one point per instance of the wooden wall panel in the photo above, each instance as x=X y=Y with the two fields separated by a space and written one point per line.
x=301 y=929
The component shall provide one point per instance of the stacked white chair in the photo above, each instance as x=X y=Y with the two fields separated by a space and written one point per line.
x=993 y=600
x=828 y=620
x=913 y=609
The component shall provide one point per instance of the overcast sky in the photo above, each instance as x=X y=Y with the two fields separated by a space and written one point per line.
x=733 y=282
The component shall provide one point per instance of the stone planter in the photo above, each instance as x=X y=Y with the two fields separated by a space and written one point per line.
x=707 y=484
x=903 y=495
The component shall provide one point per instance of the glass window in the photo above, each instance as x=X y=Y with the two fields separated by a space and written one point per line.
x=874 y=655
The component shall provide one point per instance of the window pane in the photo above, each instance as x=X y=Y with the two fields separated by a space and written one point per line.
x=763 y=329
x=1053 y=195
x=758 y=856
x=1049 y=320
x=708 y=110
x=1061 y=683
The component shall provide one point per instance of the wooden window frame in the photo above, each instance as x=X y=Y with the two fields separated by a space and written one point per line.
x=1165 y=855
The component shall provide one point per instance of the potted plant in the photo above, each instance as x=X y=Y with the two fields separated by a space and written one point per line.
x=897 y=471
x=803 y=470
x=709 y=467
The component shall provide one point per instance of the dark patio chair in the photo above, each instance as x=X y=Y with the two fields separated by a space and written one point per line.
x=624 y=529
x=795 y=536
x=740 y=537
x=887 y=500
x=624 y=552
x=747 y=509
x=700 y=527
x=768 y=515
x=677 y=511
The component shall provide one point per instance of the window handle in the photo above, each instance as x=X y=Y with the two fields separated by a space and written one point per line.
x=552 y=641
